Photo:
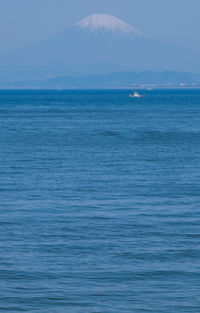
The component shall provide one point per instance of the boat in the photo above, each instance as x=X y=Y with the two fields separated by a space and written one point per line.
x=136 y=95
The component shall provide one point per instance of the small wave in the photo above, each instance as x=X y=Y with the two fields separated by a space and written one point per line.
x=111 y=133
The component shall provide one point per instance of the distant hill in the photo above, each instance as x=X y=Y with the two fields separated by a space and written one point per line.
x=112 y=80
x=97 y=44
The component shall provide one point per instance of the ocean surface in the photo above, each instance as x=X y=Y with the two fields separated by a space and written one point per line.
x=100 y=202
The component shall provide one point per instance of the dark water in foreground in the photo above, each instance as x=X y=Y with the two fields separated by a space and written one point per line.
x=99 y=202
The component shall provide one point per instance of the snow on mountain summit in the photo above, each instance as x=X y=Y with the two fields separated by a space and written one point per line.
x=105 y=22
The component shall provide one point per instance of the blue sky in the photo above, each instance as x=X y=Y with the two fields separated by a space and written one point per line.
x=26 y=21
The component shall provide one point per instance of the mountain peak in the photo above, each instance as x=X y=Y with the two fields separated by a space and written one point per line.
x=106 y=23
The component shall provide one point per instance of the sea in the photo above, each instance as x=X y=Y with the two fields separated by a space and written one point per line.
x=99 y=201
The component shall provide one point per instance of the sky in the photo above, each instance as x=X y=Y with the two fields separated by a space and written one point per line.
x=23 y=22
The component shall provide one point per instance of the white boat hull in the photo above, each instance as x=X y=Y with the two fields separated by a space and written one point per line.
x=139 y=96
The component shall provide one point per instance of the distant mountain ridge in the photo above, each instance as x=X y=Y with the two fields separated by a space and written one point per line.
x=96 y=44
x=113 y=80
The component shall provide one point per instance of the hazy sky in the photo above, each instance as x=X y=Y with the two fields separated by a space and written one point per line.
x=25 y=21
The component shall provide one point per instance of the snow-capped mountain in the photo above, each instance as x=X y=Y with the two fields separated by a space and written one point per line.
x=99 y=43
x=95 y=44
x=105 y=23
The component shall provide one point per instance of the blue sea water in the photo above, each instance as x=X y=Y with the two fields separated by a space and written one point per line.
x=99 y=202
